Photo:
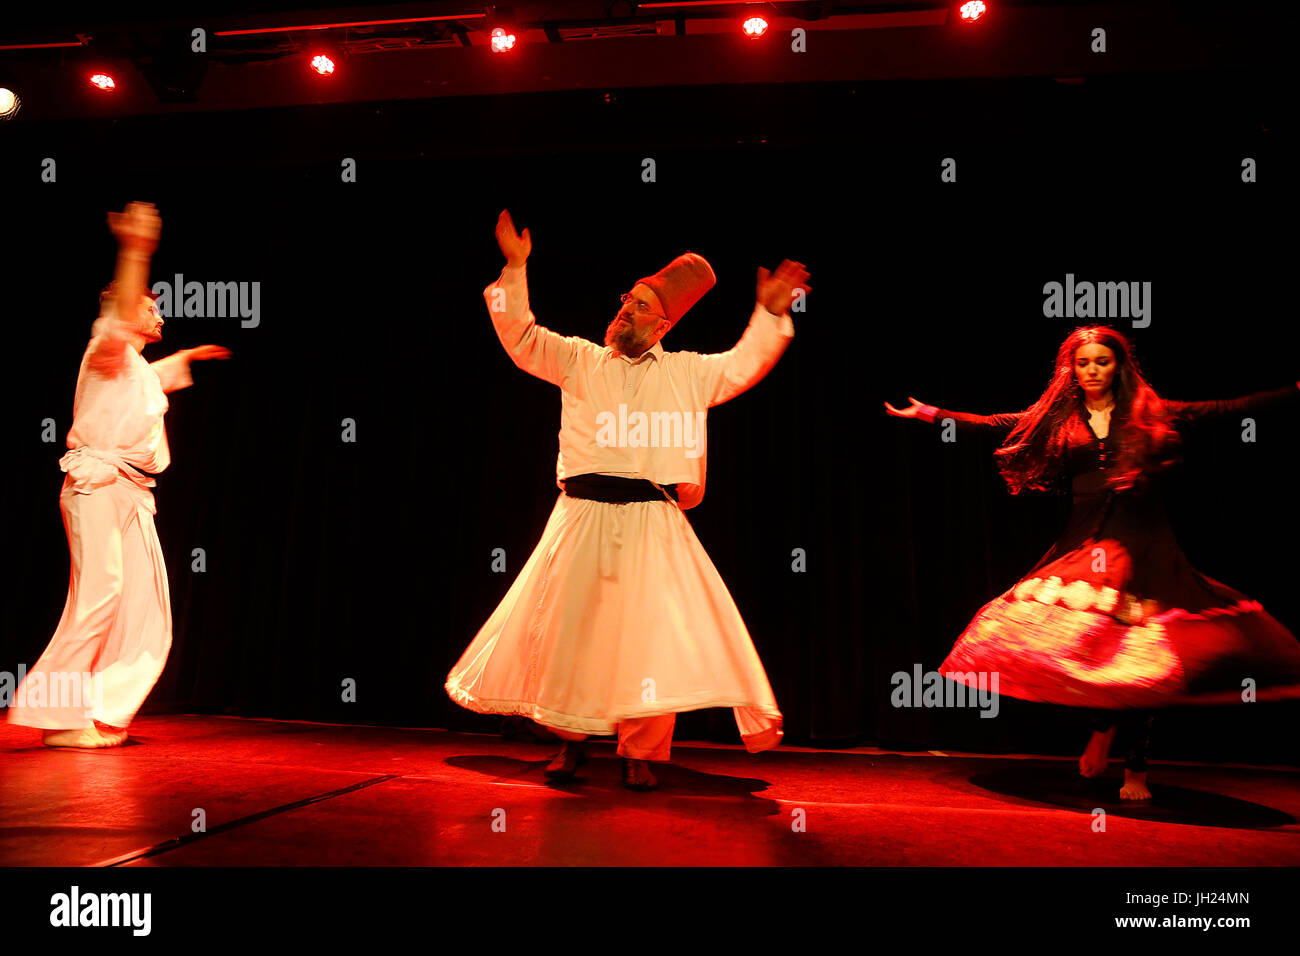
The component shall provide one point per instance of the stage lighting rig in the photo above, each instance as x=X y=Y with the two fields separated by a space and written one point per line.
x=503 y=32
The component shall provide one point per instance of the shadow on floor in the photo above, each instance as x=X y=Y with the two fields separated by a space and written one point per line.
x=1168 y=804
x=604 y=774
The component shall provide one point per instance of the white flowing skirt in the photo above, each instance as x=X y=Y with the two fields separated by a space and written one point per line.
x=618 y=614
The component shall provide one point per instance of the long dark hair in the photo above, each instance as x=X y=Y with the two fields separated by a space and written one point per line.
x=1033 y=455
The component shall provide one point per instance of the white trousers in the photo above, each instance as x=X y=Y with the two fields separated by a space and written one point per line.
x=644 y=738
x=112 y=641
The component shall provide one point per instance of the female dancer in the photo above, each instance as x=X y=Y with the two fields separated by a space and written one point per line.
x=1114 y=618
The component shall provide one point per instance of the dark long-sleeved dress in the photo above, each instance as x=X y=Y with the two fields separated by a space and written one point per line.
x=1114 y=616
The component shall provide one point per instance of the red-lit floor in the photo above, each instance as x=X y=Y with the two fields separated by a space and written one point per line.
x=276 y=794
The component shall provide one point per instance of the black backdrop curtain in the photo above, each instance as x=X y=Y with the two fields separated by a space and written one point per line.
x=372 y=561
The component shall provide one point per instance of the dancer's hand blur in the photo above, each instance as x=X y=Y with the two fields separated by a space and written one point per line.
x=137 y=227
x=201 y=352
x=776 y=290
x=514 y=247
x=912 y=411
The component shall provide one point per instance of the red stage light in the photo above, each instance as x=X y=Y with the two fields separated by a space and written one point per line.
x=972 y=10
x=103 y=81
x=755 y=27
x=501 y=40
x=322 y=64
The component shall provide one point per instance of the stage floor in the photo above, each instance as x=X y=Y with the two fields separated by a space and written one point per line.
x=275 y=793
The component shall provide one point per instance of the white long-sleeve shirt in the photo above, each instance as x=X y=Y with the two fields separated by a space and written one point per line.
x=659 y=432
x=118 y=411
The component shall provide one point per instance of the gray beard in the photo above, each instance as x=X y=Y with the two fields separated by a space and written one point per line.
x=624 y=339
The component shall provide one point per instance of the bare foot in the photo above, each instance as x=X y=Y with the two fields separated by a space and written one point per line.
x=566 y=762
x=90 y=736
x=637 y=775
x=1135 y=786
x=109 y=732
x=1096 y=756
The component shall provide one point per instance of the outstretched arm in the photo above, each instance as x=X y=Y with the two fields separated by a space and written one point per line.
x=1192 y=412
x=534 y=348
x=174 y=370
x=1000 y=424
x=724 y=375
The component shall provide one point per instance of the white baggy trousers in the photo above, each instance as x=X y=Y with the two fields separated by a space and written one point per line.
x=112 y=641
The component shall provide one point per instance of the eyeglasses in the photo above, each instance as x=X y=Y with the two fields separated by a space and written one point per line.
x=642 y=307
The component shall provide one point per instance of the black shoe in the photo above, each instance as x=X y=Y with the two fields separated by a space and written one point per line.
x=638 y=777
x=566 y=762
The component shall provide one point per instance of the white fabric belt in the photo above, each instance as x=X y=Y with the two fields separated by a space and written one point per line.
x=92 y=468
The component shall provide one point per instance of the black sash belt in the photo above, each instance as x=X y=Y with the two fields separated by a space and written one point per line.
x=615 y=490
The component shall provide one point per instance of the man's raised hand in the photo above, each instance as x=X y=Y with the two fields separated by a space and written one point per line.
x=776 y=290
x=137 y=227
x=514 y=247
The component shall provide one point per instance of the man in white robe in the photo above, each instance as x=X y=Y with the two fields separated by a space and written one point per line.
x=113 y=638
x=619 y=620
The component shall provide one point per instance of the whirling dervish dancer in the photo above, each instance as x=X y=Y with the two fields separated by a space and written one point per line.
x=619 y=620
x=1113 y=618
x=116 y=630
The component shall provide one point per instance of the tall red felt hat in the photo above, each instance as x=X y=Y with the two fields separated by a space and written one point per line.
x=681 y=283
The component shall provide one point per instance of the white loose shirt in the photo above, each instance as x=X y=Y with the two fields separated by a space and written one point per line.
x=118 y=411
x=637 y=418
